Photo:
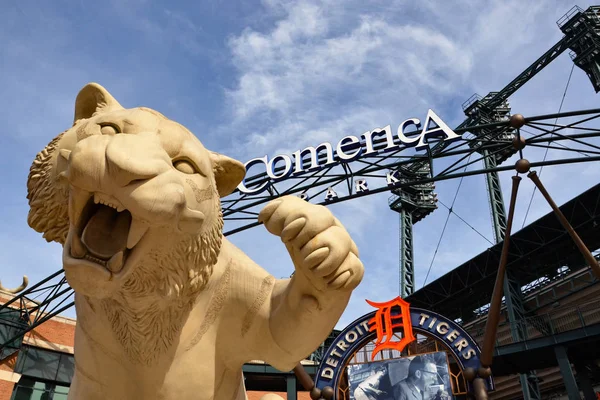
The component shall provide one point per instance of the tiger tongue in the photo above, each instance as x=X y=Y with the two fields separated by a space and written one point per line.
x=106 y=232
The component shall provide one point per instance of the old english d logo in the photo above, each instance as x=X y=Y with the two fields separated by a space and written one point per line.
x=393 y=314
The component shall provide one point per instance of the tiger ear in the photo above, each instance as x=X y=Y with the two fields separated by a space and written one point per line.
x=228 y=173
x=93 y=99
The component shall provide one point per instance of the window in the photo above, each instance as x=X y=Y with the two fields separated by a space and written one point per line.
x=45 y=374
x=11 y=325
x=32 y=389
x=60 y=392
x=45 y=365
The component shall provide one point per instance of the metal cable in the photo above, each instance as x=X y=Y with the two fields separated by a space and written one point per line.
x=546 y=152
x=469 y=225
x=557 y=144
x=446 y=223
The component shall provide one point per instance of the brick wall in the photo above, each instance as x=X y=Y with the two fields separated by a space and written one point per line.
x=58 y=331
x=7 y=377
x=6 y=389
x=255 y=395
x=9 y=363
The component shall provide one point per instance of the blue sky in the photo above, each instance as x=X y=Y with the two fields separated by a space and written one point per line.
x=252 y=78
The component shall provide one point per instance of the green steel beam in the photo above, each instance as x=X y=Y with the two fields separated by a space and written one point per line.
x=267 y=369
x=567 y=373
x=292 y=393
x=407 y=267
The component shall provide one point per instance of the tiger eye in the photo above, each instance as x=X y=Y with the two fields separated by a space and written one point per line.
x=185 y=167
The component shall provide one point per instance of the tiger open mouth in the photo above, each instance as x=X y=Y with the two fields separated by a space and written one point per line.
x=105 y=233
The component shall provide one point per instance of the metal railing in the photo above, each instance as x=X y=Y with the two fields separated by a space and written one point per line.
x=535 y=287
x=569 y=14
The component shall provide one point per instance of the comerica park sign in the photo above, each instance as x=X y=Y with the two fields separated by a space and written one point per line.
x=351 y=148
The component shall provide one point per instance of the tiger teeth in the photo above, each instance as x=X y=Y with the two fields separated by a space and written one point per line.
x=137 y=230
x=98 y=199
x=94 y=259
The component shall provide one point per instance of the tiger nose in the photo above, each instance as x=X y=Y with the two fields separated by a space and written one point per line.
x=132 y=158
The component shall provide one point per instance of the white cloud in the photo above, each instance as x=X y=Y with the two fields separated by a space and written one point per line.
x=300 y=77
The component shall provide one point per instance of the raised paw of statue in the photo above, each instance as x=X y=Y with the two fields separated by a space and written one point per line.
x=321 y=248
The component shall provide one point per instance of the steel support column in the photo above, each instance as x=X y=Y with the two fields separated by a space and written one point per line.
x=495 y=196
x=567 y=373
x=292 y=394
x=512 y=288
x=407 y=271
x=583 y=378
x=413 y=203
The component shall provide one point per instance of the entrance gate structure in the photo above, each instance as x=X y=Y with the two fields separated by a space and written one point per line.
x=406 y=170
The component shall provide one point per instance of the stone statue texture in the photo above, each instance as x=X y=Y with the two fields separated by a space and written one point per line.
x=167 y=308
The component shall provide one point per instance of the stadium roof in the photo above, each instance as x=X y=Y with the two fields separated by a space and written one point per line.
x=537 y=250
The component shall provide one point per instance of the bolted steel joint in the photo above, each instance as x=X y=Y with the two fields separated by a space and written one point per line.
x=517 y=121
x=484 y=372
x=327 y=393
x=315 y=393
x=518 y=142
x=522 y=166
x=470 y=374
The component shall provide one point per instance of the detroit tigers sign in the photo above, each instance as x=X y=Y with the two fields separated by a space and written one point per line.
x=395 y=316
